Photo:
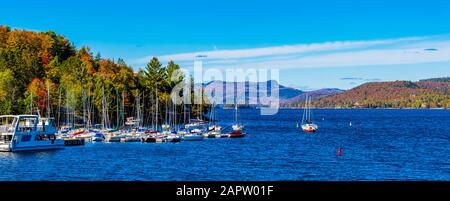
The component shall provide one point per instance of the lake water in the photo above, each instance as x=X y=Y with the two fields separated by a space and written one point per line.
x=380 y=145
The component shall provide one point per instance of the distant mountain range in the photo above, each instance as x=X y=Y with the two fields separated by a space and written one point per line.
x=288 y=96
x=429 y=93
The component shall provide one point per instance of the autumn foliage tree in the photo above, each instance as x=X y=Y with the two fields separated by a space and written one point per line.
x=37 y=95
x=41 y=69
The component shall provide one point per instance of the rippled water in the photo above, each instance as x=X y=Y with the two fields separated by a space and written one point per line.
x=380 y=145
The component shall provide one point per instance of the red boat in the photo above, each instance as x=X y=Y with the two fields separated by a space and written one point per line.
x=236 y=134
x=237 y=128
x=78 y=132
x=309 y=129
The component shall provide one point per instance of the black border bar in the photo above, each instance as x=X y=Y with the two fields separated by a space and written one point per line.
x=168 y=190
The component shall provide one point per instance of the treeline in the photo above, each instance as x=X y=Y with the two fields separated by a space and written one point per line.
x=43 y=72
x=432 y=93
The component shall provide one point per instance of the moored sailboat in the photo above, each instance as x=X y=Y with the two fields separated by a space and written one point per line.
x=214 y=130
x=237 y=131
x=307 y=125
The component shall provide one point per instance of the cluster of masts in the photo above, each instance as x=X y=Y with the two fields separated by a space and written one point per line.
x=172 y=128
x=169 y=131
x=131 y=129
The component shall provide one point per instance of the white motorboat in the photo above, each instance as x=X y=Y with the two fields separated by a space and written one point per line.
x=187 y=136
x=173 y=138
x=27 y=133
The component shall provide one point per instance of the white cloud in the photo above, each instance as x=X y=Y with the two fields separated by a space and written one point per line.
x=409 y=50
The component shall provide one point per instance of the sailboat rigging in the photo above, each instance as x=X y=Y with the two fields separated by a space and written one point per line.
x=307 y=125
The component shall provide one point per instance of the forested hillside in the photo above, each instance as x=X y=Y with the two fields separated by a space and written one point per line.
x=44 y=72
x=432 y=93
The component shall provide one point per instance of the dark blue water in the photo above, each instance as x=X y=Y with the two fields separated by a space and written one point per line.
x=380 y=145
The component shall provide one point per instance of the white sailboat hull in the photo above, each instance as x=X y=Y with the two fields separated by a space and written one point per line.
x=309 y=127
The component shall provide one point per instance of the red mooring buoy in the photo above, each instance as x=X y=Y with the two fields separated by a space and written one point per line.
x=339 y=151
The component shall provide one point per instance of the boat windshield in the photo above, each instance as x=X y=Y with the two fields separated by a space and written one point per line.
x=27 y=124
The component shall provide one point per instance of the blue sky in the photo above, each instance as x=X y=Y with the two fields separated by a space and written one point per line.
x=311 y=42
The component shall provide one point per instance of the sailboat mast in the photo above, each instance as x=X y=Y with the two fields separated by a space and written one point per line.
x=143 y=118
x=309 y=110
x=304 y=109
x=141 y=121
x=310 y=106
x=165 y=114
x=123 y=109
x=31 y=103
x=235 y=111
x=48 y=101
x=174 y=116
x=67 y=107
x=83 y=101
x=117 y=108
x=59 y=107
x=103 y=109
x=73 y=107
x=184 y=113
x=157 y=102
x=138 y=115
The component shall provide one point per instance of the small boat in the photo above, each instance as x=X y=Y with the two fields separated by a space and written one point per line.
x=187 y=136
x=173 y=138
x=307 y=125
x=237 y=127
x=98 y=137
x=27 y=133
x=309 y=128
x=237 y=131
x=153 y=139
x=65 y=129
x=214 y=130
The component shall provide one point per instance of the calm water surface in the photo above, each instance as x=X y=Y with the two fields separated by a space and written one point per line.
x=380 y=145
